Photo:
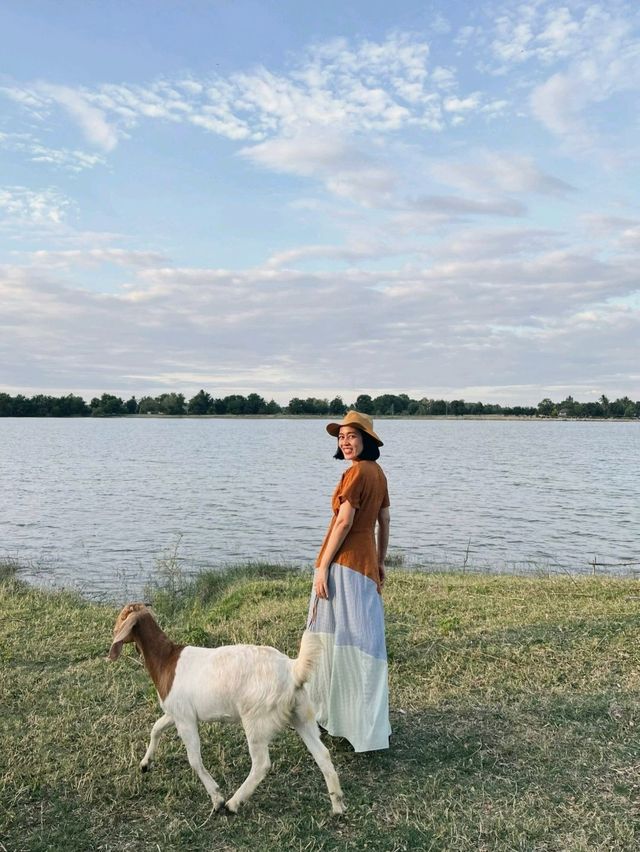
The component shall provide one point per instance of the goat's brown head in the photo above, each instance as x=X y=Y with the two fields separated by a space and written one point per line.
x=123 y=628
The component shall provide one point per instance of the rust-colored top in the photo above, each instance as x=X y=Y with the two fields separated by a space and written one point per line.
x=364 y=485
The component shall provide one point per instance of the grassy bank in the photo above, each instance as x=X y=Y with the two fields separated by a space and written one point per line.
x=514 y=710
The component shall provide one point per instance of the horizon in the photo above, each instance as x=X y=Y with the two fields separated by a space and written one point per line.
x=349 y=405
x=315 y=200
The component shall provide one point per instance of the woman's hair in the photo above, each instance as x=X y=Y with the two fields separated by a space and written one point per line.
x=370 y=450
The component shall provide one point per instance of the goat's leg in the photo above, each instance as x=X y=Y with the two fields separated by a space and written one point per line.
x=161 y=725
x=189 y=735
x=260 y=765
x=310 y=733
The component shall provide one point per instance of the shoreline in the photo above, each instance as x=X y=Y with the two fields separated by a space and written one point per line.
x=328 y=417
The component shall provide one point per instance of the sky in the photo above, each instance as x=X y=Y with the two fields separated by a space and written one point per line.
x=319 y=199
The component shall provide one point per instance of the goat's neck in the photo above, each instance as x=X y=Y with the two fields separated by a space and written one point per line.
x=159 y=653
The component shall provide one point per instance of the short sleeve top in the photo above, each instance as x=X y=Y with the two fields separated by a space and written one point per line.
x=364 y=485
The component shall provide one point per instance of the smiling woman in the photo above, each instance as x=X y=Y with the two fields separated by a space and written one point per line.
x=349 y=687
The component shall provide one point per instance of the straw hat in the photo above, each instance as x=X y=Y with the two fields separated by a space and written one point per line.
x=355 y=418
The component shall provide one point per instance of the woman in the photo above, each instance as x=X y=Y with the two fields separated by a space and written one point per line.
x=349 y=686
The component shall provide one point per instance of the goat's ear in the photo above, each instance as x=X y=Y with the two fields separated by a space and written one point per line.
x=114 y=651
x=123 y=635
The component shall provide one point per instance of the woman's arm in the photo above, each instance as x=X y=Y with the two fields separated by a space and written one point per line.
x=338 y=534
x=384 y=520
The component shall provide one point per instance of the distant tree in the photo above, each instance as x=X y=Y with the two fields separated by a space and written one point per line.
x=6 y=405
x=272 y=407
x=568 y=407
x=40 y=405
x=131 y=405
x=254 y=404
x=391 y=403
x=107 y=406
x=401 y=403
x=171 y=403
x=592 y=409
x=438 y=406
x=310 y=405
x=68 y=406
x=383 y=404
x=201 y=403
x=473 y=408
x=22 y=406
x=456 y=407
x=364 y=404
x=521 y=410
x=337 y=407
x=234 y=404
x=546 y=407
x=318 y=406
x=147 y=405
x=618 y=407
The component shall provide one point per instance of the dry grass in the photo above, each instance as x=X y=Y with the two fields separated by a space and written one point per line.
x=514 y=709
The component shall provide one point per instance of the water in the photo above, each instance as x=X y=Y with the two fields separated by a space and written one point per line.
x=94 y=503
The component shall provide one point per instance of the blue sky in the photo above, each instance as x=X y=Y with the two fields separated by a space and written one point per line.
x=305 y=199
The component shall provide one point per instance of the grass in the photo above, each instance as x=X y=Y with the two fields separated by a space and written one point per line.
x=514 y=707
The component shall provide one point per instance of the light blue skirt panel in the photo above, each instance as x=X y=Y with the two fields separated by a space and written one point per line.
x=349 y=687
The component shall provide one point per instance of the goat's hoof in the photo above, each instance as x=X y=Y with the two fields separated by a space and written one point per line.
x=218 y=804
x=232 y=807
x=145 y=767
x=338 y=808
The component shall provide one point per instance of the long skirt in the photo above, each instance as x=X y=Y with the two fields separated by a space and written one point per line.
x=349 y=686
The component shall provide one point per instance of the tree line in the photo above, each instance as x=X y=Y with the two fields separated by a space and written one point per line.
x=109 y=405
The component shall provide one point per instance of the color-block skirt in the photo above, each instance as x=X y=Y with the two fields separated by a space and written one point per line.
x=349 y=686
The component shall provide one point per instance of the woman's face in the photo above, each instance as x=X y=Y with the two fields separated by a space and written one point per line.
x=350 y=442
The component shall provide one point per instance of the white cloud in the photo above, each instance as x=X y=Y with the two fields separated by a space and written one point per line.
x=20 y=206
x=70 y=160
x=456 y=206
x=367 y=86
x=471 y=102
x=450 y=260
x=63 y=158
x=346 y=168
x=602 y=60
x=464 y=312
x=82 y=258
x=353 y=254
x=558 y=104
x=91 y=120
x=493 y=171
x=550 y=33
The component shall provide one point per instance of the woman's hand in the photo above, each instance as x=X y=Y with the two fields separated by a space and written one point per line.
x=321 y=583
x=339 y=530
x=381 y=574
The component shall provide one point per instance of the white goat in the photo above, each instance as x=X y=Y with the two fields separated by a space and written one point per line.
x=256 y=685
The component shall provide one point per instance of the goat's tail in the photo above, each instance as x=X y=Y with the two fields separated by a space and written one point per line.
x=310 y=650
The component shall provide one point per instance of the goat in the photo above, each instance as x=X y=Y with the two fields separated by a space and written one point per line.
x=256 y=685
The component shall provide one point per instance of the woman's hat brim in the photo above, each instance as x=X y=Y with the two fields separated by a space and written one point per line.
x=354 y=419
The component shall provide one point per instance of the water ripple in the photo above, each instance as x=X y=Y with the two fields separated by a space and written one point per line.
x=96 y=500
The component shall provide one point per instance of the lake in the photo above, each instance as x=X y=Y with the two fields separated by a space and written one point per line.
x=95 y=503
